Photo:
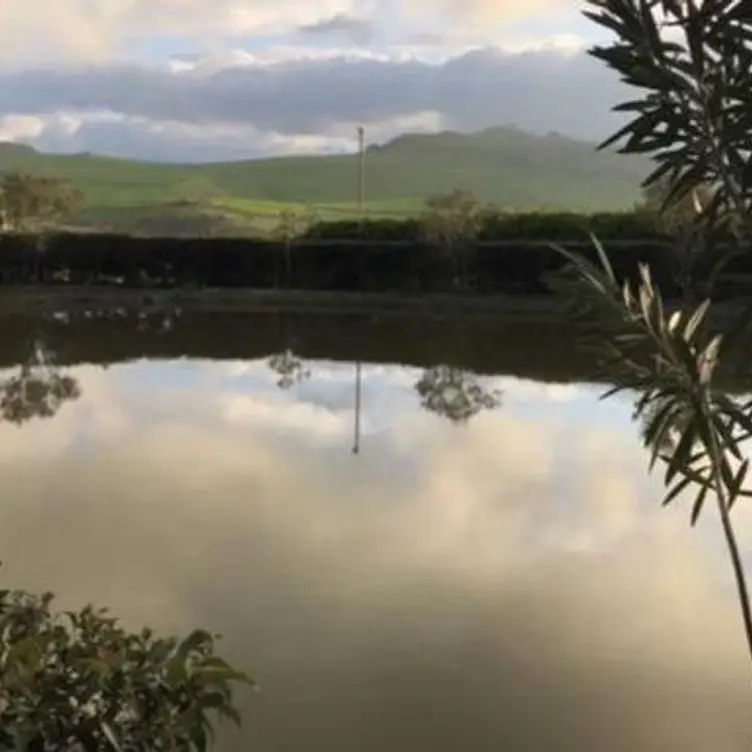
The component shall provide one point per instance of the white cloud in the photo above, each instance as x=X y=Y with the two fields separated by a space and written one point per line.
x=37 y=30
x=220 y=108
x=21 y=127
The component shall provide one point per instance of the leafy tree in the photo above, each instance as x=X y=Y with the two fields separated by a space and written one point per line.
x=78 y=681
x=453 y=221
x=31 y=202
x=292 y=225
x=692 y=62
x=681 y=218
x=454 y=394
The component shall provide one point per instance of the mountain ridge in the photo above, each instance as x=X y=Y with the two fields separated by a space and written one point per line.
x=503 y=165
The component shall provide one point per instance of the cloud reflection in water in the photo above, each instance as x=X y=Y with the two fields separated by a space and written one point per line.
x=507 y=586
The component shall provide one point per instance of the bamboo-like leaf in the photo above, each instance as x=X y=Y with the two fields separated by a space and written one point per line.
x=708 y=359
x=676 y=489
x=696 y=319
x=679 y=457
x=735 y=489
x=697 y=506
x=110 y=736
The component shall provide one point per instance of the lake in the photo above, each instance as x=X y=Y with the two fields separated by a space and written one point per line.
x=490 y=571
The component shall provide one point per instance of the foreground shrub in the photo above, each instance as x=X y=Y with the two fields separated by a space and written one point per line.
x=78 y=681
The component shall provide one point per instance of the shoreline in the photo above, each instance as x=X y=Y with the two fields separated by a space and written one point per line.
x=40 y=300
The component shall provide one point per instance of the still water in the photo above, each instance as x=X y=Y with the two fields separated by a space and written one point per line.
x=491 y=571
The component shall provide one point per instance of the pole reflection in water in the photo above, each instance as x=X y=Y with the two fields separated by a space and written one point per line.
x=356 y=438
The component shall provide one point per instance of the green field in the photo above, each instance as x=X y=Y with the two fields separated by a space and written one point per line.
x=511 y=169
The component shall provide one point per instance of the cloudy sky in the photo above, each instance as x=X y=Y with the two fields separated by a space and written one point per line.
x=223 y=79
x=512 y=582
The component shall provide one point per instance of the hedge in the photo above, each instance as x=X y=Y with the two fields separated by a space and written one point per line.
x=496 y=226
x=510 y=267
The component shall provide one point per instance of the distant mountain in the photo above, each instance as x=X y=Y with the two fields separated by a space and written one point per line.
x=505 y=166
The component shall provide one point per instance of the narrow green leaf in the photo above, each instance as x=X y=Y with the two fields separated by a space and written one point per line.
x=736 y=486
x=696 y=319
x=110 y=736
x=697 y=506
x=675 y=490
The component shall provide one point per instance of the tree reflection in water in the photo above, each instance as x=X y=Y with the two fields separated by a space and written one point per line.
x=290 y=368
x=37 y=390
x=455 y=394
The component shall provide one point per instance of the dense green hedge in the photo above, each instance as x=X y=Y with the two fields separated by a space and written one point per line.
x=532 y=226
x=512 y=266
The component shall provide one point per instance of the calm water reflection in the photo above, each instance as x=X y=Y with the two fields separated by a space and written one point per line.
x=491 y=572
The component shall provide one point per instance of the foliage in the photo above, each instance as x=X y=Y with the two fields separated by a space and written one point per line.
x=292 y=224
x=680 y=218
x=695 y=119
x=497 y=225
x=78 y=680
x=30 y=202
x=383 y=229
x=452 y=222
x=692 y=60
x=515 y=266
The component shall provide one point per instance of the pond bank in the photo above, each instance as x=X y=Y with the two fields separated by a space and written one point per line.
x=47 y=300
x=38 y=300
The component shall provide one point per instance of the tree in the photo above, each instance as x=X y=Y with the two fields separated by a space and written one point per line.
x=454 y=394
x=453 y=221
x=693 y=115
x=682 y=219
x=292 y=224
x=78 y=681
x=681 y=215
x=30 y=202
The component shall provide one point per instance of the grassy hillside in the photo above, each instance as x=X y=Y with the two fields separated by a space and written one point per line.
x=502 y=166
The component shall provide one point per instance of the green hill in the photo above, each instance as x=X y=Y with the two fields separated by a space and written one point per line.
x=503 y=166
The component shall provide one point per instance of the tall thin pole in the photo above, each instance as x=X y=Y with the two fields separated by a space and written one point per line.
x=356 y=430
x=361 y=169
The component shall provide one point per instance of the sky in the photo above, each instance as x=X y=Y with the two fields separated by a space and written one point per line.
x=513 y=582
x=206 y=80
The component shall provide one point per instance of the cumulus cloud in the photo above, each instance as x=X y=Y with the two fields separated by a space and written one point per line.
x=507 y=585
x=39 y=30
x=189 y=79
x=268 y=107
x=353 y=28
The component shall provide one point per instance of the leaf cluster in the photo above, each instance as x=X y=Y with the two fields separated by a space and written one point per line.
x=30 y=201
x=78 y=681
x=692 y=61
x=452 y=219
x=669 y=359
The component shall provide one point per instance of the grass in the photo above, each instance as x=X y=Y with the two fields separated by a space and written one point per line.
x=503 y=166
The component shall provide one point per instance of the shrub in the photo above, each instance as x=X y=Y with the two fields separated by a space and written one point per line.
x=78 y=680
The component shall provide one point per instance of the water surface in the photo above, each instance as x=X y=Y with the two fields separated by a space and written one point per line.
x=497 y=578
